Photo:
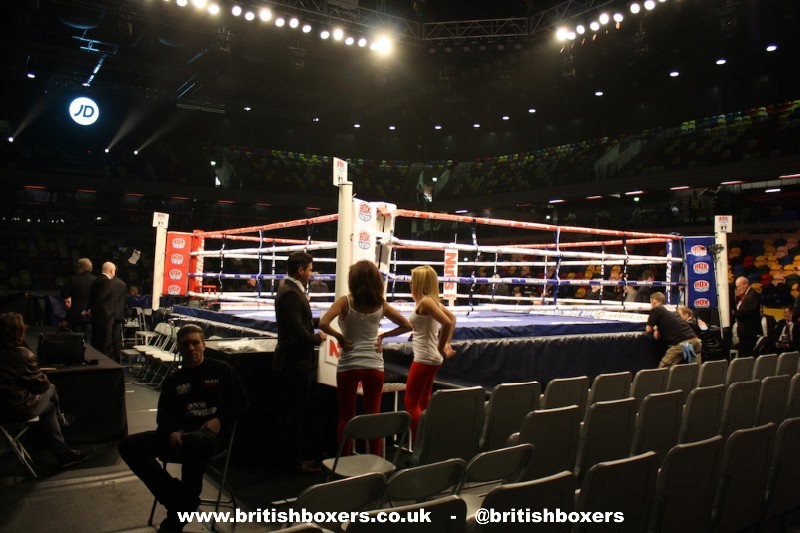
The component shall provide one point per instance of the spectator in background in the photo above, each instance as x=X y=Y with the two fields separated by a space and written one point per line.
x=120 y=290
x=643 y=292
x=318 y=287
x=102 y=308
x=499 y=289
x=674 y=330
x=747 y=314
x=76 y=299
x=786 y=336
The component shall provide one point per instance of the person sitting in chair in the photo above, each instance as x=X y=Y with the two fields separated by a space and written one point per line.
x=25 y=391
x=196 y=410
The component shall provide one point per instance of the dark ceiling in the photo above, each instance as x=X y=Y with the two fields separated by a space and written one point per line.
x=156 y=50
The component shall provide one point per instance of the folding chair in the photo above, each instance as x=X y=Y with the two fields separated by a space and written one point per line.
x=740 y=369
x=788 y=363
x=702 y=413
x=712 y=373
x=451 y=426
x=765 y=366
x=12 y=433
x=607 y=387
x=657 y=424
x=505 y=465
x=218 y=501
x=739 y=411
x=508 y=405
x=772 y=398
x=420 y=483
x=783 y=488
x=649 y=381
x=684 y=378
x=606 y=434
x=564 y=392
x=554 y=434
x=352 y=494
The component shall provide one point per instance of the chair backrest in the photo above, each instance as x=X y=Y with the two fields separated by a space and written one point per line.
x=739 y=501
x=683 y=378
x=425 y=481
x=606 y=434
x=783 y=489
x=551 y=492
x=788 y=363
x=686 y=486
x=712 y=373
x=375 y=426
x=357 y=493
x=554 y=434
x=772 y=397
x=648 y=381
x=740 y=369
x=506 y=464
x=447 y=515
x=739 y=410
x=793 y=405
x=657 y=424
x=702 y=413
x=607 y=387
x=626 y=486
x=451 y=426
x=563 y=392
x=765 y=366
x=508 y=405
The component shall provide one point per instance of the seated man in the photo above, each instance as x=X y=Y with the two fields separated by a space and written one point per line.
x=25 y=391
x=676 y=332
x=785 y=335
x=196 y=411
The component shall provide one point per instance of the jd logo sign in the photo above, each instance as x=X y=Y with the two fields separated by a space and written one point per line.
x=84 y=111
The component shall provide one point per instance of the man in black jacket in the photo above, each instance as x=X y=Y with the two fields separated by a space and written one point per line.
x=748 y=316
x=120 y=291
x=76 y=299
x=786 y=335
x=296 y=361
x=101 y=308
x=196 y=410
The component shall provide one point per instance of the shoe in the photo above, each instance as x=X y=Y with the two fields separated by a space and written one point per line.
x=71 y=458
x=65 y=420
x=171 y=524
x=309 y=466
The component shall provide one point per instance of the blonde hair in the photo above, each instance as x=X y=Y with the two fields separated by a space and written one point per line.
x=424 y=282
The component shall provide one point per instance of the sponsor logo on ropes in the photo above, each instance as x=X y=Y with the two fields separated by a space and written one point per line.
x=702 y=303
x=701 y=267
x=702 y=285
x=176 y=259
x=698 y=250
x=363 y=240
x=175 y=274
x=365 y=212
x=173 y=289
x=179 y=243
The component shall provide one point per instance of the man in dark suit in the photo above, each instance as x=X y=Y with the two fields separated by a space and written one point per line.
x=786 y=336
x=120 y=290
x=296 y=361
x=748 y=316
x=76 y=299
x=102 y=309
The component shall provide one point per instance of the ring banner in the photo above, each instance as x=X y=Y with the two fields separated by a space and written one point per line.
x=176 y=263
x=701 y=282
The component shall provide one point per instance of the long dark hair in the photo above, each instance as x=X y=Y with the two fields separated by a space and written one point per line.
x=12 y=329
x=365 y=284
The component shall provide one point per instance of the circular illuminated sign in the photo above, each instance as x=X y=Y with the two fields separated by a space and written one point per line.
x=84 y=111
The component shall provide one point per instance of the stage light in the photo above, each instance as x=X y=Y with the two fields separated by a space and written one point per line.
x=356 y=125
x=182 y=3
x=106 y=150
x=249 y=16
x=476 y=125
x=213 y=163
x=392 y=127
x=362 y=42
x=506 y=117
x=11 y=139
x=437 y=127
x=674 y=74
x=349 y=41
x=383 y=45
x=556 y=201
x=721 y=61
x=265 y=14
x=777 y=189
x=571 y=36
x=280 y=22
x=213 y=9
x=293 y=22
x=199 y=4
x=324 y=34
x=649 y=5
x=561 y=34
x=604 y=18
x=306 y=28
x=236 y=11
x=618 y=17
x=136 y=152
x=635 y=8
x=315 y=119
x=598 y=93
x=248 y=108
x=31 y=76
x=531 y=110
x=594 y=26
x=772 y=47
x=581 y=29
x=338 y=34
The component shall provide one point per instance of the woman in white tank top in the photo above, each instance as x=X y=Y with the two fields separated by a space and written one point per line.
x=360 y=314
x=433 y=330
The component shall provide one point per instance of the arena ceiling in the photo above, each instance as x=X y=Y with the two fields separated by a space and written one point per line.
x=456 y=77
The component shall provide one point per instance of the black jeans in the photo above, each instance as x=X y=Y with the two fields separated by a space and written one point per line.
x=140 y=451
x=47 y=410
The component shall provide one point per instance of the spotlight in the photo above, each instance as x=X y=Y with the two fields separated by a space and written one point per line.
x=324 y=34
x=598 y=93
x=31 y=75
x=531 y=110
x=315 y=119
x=106 y=150
x=248 y=108
x=182 y=3
x=721 y=61
x=392 y=127
x=338 y=34
x=249 y=16
x=635 y=8
x=506 y=117
x=383 y=45
x=581 y=29
x=235 y=10
x=674 y=74
x=571 y=36
x=561 y=34
x=604 y=18
x=349 y=41
x=293 y=22
x=306 y=28
x=362 y=42
x=200 y=4
x=618 y=17
x=356 y=125
x=213 y=9
x=649 y=5
x=476 y=125
x=11 y=140
x=280 y=22
x=265 y=14
x=594 y=26
x=437 y=127
x=772 y=47
x=136 y=152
